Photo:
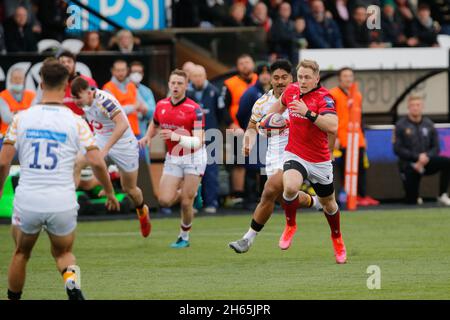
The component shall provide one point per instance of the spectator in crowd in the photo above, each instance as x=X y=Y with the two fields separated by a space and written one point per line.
x=340 y=10
x=92 y=42
x=53 y=16
x=214 y=12
x=147 y=97
x=208 y=98
x=252 y=188
x=424 y=29
x=188 y=67
x=2 y=41
x=126 y=93
x=440 y=11
x=125 y=42
x=347 y=96
x=19 y=36
x=321 y=31
x=259 y=17
x=237 y=15
x=300 y=38
x=68 y=60
x=232 y=91
x=14 y=99
x=358 y=35
x=406 y=11
x=11 y=6
x=273 y=7
x=282 y=34
x=393 y=26
x=416 y=143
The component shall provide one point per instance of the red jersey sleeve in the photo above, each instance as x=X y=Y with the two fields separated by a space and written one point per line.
x=327 y=105
x=199 y=119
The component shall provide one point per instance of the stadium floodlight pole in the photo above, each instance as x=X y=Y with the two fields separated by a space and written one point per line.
x=95 y=13
x=352 y=155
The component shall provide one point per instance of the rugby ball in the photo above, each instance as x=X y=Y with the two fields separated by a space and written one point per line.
x=272 y=124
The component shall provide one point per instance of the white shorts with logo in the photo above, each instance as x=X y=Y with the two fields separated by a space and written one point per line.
x=56 y=223
x=179 y=166
x=317 y=172
x=125 y=154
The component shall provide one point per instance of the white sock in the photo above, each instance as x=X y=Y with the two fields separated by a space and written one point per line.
x=289 y=199
x=185 y=234
x=250 y=235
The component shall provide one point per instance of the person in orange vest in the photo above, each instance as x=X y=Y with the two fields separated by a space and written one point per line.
x=126 y=93
x=346 y=95
x=232 y=91
x=14 y=99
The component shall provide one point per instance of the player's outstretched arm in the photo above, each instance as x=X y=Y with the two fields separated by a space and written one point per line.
x=151 y=132
x=121 y=126
x=249 y=138
x=6 y=156
x=100 y=170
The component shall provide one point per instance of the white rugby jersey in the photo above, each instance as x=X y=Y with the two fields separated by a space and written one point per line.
x=260 y=108
x=47 y=139
x=100 y=114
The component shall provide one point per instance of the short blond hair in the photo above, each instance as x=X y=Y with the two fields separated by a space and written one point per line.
x=310 y=64
x=414 y=97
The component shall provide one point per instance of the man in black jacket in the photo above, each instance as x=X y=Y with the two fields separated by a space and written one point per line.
x=19 y=36
x=416 y=143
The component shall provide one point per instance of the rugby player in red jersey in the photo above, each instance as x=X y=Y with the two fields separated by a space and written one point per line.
x=180 y=123
x=312 y=131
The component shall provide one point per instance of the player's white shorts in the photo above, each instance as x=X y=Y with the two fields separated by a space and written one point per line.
x=179 y=166
x=317 y=172
x=125 y=154
x=56 y=223
x=274 y=163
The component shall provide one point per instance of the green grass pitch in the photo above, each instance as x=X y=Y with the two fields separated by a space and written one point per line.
x=411 y=247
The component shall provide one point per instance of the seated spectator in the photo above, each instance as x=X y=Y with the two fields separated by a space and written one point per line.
x=424 y=29
x=340 y=11
x=440 y=11
x=321 y=31
x=393 y=26
x=273 y=7
x=416 y=143
x=282 y=34
x=19 y=36
x=300 y=38
x=213 y=12
x=357 y=34
x=14 y=99
x=237 y=15
x=12 y=5
x=406 y=11
x=125 y=42
x=259 y=17
x=92 y=42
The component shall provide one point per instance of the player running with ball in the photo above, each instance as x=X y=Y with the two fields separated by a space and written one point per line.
x=180 y=123
x=116 y=140
x=312 y=131
x=281 y=77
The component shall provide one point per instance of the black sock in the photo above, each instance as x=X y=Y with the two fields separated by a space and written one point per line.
x=14 y=295
x=256 y=226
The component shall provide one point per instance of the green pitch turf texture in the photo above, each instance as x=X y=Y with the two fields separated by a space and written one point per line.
x=411 y=247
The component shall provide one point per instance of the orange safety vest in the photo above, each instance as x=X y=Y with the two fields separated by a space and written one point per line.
x=344 y=102
x=126 y=98
x=237 y=86
x=14 y=105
